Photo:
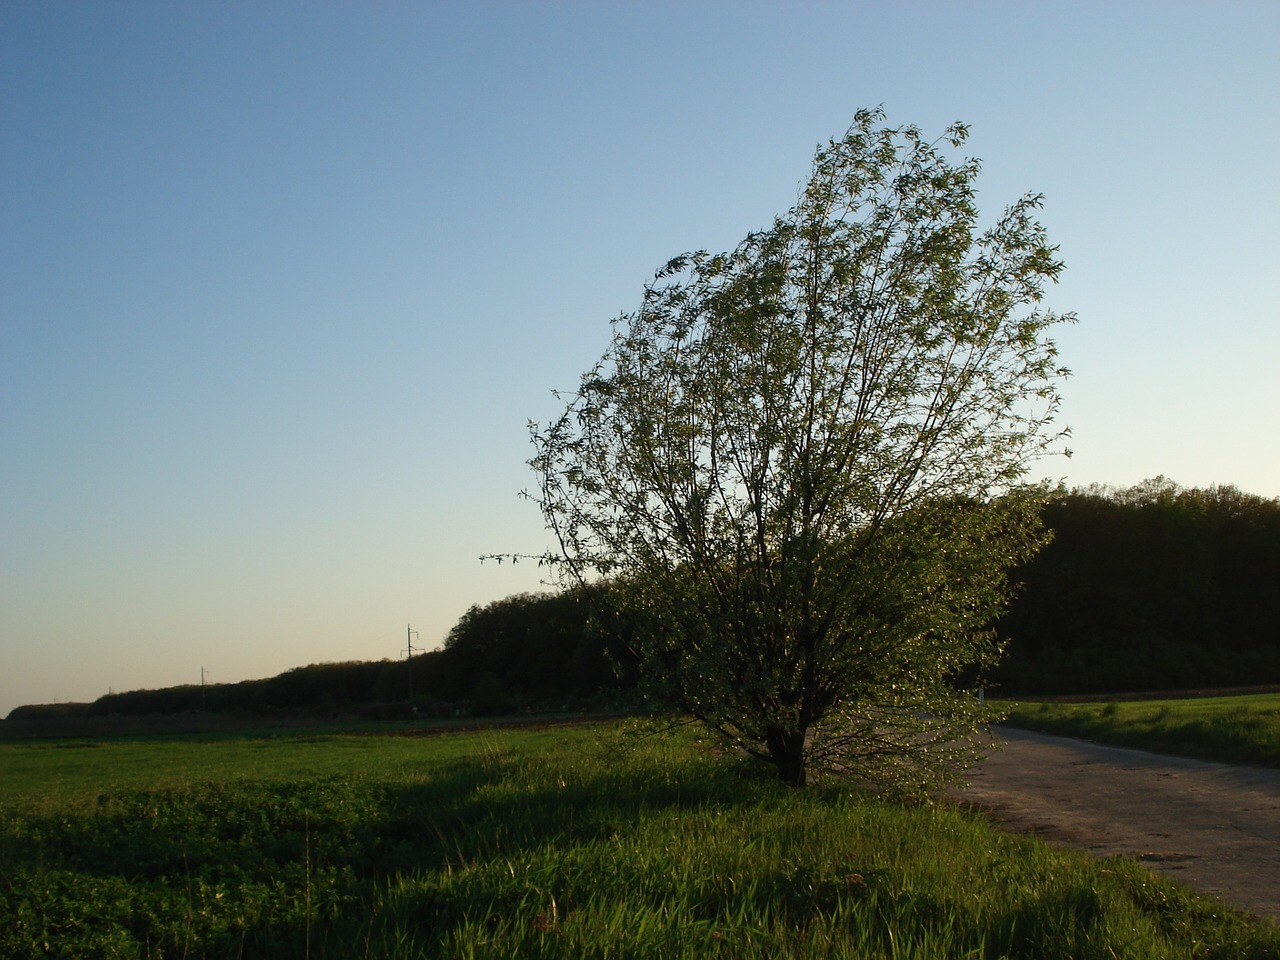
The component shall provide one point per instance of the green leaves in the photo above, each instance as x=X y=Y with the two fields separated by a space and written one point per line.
x=796 y=446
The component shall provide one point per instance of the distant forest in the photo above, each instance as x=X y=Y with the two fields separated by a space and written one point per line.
x=1149 y=588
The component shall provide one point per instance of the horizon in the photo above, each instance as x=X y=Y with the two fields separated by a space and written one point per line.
x=1084 y=489
x=282 y=285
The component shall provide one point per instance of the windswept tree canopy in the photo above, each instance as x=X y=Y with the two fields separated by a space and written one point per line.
x=802 y=460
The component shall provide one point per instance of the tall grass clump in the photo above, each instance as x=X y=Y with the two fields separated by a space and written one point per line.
x=561 y=844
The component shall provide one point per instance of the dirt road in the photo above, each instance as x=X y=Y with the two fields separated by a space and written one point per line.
x=1213 y=826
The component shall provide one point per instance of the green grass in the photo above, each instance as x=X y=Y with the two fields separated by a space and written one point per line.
x=1240 y=729
x=74 y=773
x=535 y=844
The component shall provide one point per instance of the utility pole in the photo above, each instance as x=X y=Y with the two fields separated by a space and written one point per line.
x=410 y=633
x=203 y=705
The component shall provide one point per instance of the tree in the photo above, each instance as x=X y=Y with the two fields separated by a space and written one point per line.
x=802 y=462
x=1153 y=587
x=542 y=649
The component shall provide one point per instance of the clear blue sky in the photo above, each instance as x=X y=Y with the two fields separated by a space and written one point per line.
x=281 y=283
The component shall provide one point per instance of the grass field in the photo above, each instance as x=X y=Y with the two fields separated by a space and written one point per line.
x=1238 y=729
x=526 y=843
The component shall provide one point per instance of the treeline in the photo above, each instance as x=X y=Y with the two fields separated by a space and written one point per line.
x=526 y=653
x=1153 y=587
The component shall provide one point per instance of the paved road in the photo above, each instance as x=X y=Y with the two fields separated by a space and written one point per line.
x=1213 y=826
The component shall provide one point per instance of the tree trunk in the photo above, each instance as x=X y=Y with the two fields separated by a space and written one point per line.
x=789 y=751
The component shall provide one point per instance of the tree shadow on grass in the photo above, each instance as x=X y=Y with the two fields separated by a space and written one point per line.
x=247 y=868
x=494 y=846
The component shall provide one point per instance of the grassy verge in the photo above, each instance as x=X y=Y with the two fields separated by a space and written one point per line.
x=1241 y=729
x=536 y=844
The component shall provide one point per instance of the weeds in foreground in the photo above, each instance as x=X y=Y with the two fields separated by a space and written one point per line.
x=548 y=845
